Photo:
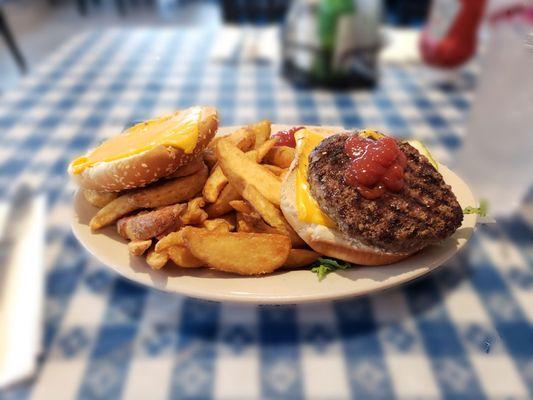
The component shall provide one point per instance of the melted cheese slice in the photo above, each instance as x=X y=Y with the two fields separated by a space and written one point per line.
x=306 y=205
x=179 y=130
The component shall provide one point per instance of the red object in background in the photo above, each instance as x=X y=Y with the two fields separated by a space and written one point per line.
x=450 y=36
x=375 y=165
x=286 y=138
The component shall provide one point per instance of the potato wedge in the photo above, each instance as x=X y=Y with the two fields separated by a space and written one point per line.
x=241 y=171
x=261 y=132
x=300 y=258
x=138 y=247
x=271 y=214
x=280 y=156
x=222 y=206
x=182 y=257
x=239 y=253
x=99 y=199
x=156 y=260
x=161 y=194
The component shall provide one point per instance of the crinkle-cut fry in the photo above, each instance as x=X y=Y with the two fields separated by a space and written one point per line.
x=99 y=199
x=224 y=251
x=156 y=260
x=194 y=214
x=182 y=257
x=242 y=171
x=161 y=194
x=280 y=156
x=222 y=206
x=218 y=225
x=274 y=169
x=271 y=214
x=299 y=258
x=138 y=247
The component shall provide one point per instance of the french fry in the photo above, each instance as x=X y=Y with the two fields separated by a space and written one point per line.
x=182 y=257
x=271 y=214
x=162 y=194
x=138 y=247
x=172 y=239
x=241 y=172
x=243 y=138
x=221 y=206
x=261 y=131
x=244 y=224
x=99 y=199
x=230 y=219
x=156 y=260
x=274 y=169
x=300 y=258
x=280 y=156
x=194 y=214
x=223 y=251
x=217 y=225
x=242 y=206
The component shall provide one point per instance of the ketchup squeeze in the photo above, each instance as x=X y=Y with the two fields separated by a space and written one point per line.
x=286 y=138
x=375 y=165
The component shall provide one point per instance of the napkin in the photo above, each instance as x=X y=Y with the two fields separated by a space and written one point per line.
x=22 y=296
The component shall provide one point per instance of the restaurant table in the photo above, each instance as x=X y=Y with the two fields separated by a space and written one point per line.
x=464 y=331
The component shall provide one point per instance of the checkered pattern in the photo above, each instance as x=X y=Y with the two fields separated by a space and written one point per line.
x=463 y=332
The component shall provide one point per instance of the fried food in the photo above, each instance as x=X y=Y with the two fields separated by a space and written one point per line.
x=99 y=199
x=138 y=247
x=150 y=224
x=182 y=257
x=242 y=206
x=223 y=251
x=275 y=170
x=271 y=214
x=218 y=225
x=161 y=194
x=244 y=224
x=300 y=258
x=156 y=260
x=194 y=214
x=280 y=156
x=261 y=132
x=241 y=171
x=221 y=206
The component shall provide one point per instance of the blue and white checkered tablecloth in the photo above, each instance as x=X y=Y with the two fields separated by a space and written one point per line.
x=463 y=332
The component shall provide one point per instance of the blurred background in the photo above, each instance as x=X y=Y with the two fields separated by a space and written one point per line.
x=455 y=74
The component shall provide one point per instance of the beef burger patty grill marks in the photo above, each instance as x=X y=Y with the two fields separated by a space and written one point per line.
x=424 y=212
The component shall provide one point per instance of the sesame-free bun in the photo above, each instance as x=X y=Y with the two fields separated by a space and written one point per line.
x=142 y=169
x=329 y=241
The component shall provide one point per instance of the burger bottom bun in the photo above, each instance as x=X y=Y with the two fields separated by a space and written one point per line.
x=142 y=169
x=328 y=241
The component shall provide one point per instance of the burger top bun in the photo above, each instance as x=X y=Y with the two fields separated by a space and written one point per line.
x=148 y=166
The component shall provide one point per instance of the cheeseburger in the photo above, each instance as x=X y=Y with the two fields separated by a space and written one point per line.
x=366 y=198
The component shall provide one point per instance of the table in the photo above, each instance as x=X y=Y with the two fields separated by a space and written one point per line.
x=463 y=332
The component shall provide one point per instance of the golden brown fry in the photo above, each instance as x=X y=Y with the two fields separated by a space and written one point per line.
x=99 y=199
x=161 y=194
x=274 y=169
x=217 y=224
x=261 y=131
x=225 y=251
x=241 y=172
x=242 y=206
x=300 y=258
x=156 y=260
x=214 y=185
x=182 y=257
x=271 y=214
x=138 y=247
x=230 y=219
x=263 y=150
x=244 y=224
x=186 y=170
x=243 y=138
x=222 y=206
x=280 y=156
x=194 y=214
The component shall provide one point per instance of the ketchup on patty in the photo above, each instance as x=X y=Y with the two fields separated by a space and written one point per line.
x=286 y=138
x=375 y=165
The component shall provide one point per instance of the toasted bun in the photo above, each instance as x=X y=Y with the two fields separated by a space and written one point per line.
x=328 y=241
x=147 y=167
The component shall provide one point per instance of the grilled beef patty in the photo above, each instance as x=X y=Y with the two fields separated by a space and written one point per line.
x=425 y=211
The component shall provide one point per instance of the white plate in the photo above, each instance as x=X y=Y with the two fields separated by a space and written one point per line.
x=284 y=287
